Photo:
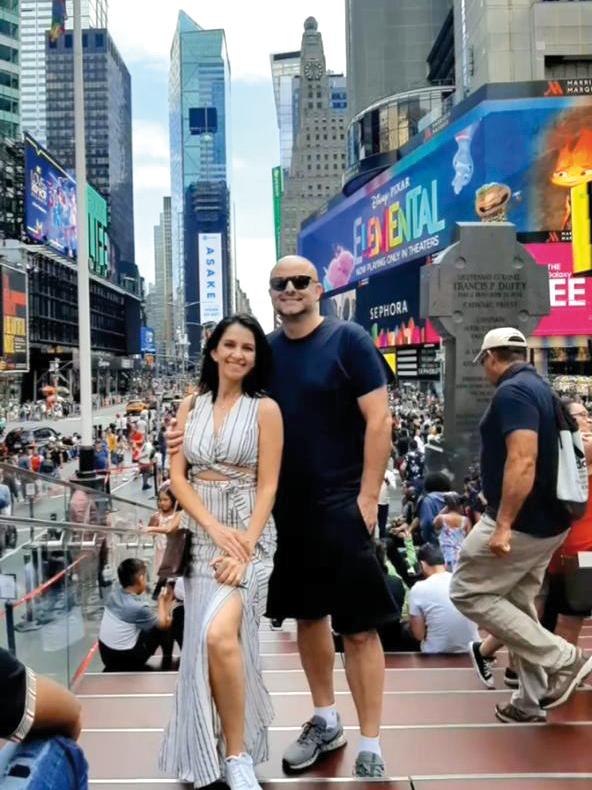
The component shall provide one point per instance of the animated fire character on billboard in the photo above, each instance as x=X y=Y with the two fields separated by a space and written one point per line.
x=573 y=167
x=491 y=202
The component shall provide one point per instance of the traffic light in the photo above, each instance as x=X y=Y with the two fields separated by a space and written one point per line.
x=581 y=234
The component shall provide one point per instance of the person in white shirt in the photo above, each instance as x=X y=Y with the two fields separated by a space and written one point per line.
x=434 y=620
x=389 y=483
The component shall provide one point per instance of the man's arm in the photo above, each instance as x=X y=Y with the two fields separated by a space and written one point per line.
x=519 y=475
x=418 y=627
x=377 y=448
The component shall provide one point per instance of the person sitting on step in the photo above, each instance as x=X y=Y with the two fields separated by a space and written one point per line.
x=131 y=631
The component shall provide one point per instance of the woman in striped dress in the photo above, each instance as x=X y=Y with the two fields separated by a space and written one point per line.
x=231 y=454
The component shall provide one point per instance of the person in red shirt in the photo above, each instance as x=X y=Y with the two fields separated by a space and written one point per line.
x=36 y=460
x=579 y=538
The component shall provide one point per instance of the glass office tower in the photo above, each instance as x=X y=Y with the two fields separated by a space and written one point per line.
x=199 y=108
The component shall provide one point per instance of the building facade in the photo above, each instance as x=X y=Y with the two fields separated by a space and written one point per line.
x=518 y=40
x=318 y=153
x=162 y=295
x=9 y=69
x=387 y=48
x=199 y=122
x=107 y=90
x=243 y=305
x=35 y=16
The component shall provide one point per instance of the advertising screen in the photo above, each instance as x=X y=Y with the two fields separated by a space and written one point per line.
x=50 y=200
x=210 y=277
x=147 y=342
x=571 y=296
x=51 y=213
x=387 y=306
x=505 y=160
x=14 y=354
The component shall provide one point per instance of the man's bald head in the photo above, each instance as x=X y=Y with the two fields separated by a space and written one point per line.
x=294 y=264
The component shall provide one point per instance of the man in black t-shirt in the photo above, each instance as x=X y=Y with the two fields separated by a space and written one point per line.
x=330 y=384
x=504 y=558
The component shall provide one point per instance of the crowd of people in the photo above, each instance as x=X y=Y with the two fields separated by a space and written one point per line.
x=312 y=490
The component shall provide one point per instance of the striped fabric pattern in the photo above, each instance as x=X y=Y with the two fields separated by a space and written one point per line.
x=193 y=749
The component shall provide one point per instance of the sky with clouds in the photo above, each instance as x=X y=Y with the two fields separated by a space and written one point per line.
x=143 y=31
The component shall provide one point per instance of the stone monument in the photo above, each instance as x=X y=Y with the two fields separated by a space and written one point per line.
x=485 y=280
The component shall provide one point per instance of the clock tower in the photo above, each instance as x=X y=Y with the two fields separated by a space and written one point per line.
x=318 y=154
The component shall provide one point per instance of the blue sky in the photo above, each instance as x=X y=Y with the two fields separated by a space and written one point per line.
x=143 y=31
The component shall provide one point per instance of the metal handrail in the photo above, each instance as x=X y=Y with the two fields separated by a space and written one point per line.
x=26 y=474
x=71 y=526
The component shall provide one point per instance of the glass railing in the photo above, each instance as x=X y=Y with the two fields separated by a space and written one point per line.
x=60 y=551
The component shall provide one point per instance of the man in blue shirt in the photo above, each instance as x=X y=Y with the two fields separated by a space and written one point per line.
x=504 y=558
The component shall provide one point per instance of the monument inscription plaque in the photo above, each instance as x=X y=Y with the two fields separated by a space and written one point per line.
x=485 y=280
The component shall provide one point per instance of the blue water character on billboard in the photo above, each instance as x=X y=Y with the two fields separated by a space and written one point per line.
x=463 y=160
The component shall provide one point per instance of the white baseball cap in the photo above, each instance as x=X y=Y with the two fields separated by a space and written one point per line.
x=504 y=337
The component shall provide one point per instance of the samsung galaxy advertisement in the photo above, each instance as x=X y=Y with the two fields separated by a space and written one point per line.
x=504 y=160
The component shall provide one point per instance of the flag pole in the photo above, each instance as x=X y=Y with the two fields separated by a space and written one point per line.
x=86 y=465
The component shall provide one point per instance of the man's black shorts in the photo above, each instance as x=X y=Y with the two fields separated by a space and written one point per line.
x=326 y=564
x=557 y=600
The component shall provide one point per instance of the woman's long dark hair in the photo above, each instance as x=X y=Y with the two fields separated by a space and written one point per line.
x=257 y=380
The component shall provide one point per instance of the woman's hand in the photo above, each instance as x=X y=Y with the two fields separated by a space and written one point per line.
x=230 y=542
x=229 y=571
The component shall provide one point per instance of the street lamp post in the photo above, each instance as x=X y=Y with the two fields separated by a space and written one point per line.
x=86 y=466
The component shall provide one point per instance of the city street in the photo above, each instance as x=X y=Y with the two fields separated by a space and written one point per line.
x=69 y=425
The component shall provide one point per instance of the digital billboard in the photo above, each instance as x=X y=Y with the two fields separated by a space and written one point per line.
x=503 y=160
x=211 y=300
x=147 y=341
x=51 y=209
x=571 y=295
x=14 y=351
x=50 y=200
x=387 y=306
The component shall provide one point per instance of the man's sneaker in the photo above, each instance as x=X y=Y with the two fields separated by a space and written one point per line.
x=509 y=714
x=369 y=766
x=511 y=679
x=482 y=665
x=240 y=774
x=315 y=739
x=562 y=684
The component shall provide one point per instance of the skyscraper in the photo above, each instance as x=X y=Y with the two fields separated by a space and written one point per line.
x=285 y=68
x=35 y=22
x=107 y=90
x=285 y=75
x=387 y=44
x=163 y=278
x=94 y=13
x=9 y=68
x=199 y=108
x=318 y=151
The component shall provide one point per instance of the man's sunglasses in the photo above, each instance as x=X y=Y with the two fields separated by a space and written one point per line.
x=299 y=281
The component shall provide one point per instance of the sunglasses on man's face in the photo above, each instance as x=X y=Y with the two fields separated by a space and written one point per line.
x=299 y=281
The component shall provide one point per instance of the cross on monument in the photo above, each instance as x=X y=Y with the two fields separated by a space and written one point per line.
x=485 y=280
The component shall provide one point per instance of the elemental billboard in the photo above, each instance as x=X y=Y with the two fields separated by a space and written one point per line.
x=503 y=160
x=211 y=299
x=14 y=351
x=51 y=209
